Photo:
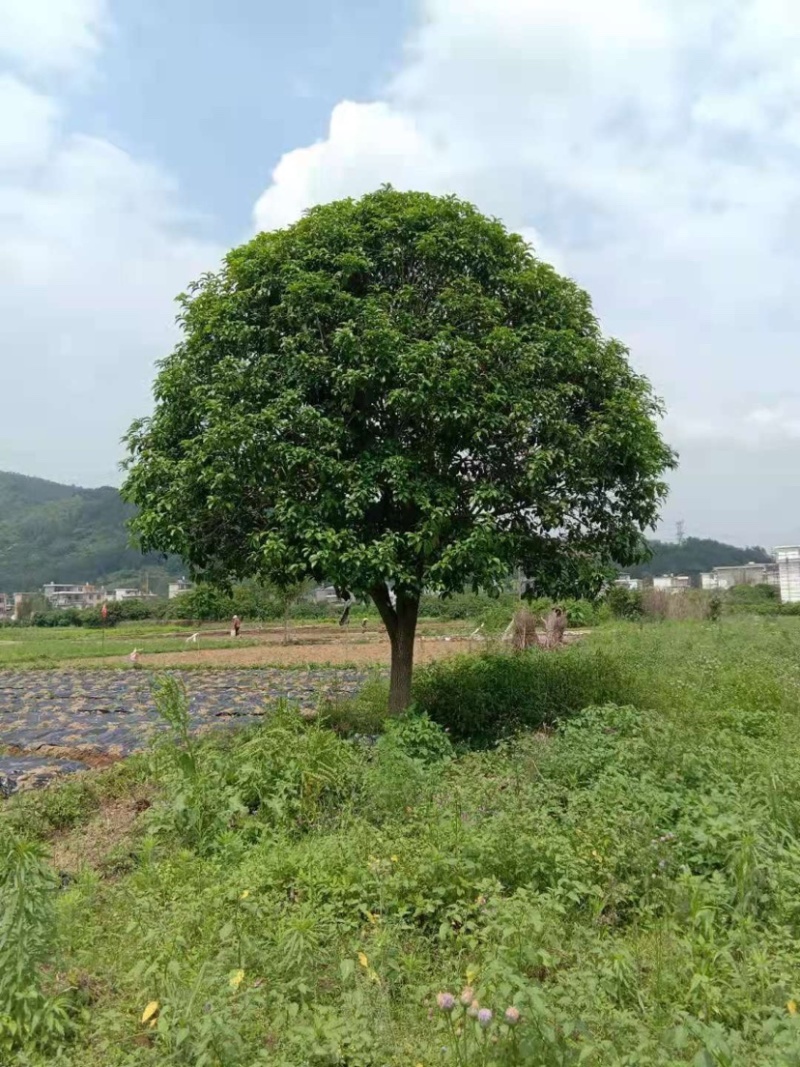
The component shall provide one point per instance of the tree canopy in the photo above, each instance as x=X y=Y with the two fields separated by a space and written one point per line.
x=394 y=394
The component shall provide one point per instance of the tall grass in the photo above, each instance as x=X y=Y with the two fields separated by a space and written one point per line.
x=626 y=883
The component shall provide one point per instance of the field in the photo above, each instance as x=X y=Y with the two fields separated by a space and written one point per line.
x=616 y=884
x=165 y=645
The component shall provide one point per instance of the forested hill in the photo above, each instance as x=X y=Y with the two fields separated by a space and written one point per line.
x=694 y=555
x=62 y=533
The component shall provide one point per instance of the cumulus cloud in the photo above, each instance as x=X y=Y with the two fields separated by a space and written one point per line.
x=648 y=149
x=94 y=244
x=46 y=35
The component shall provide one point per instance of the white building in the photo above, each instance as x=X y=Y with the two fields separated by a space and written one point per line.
x=73 y=595
x=181 y=586
x=133 y=594
x=740 y=574
x=624 y=581
x=672 y=583
x=789 y=573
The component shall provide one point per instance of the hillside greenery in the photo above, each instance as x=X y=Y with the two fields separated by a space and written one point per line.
x=61 y=533
x=616 y=887
x=695 y=555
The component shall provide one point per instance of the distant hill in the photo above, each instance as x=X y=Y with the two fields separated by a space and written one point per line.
x=62 y=533
x=695 y=555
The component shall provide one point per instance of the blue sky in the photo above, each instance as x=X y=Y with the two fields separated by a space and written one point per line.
x=650 y=150
x=217 y=92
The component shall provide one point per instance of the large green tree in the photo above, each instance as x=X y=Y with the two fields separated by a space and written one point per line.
x=394 y=394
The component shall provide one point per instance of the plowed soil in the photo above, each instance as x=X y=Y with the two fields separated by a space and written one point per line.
x=319 y=645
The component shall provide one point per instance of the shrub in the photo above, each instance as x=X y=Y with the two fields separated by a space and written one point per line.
x=365 y=713
x=480 y=699
x=28 y=1016
x=420 y=738
x=624 y=603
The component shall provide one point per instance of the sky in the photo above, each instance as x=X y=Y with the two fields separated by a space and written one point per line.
x=647 y=148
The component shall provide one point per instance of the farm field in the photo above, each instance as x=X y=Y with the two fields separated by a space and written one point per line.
x=168 y=645
x=614 y=885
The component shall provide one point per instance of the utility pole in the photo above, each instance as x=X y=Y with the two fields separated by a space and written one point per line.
x=679 y=531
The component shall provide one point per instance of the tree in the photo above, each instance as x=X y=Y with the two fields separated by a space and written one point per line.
x=395 y=395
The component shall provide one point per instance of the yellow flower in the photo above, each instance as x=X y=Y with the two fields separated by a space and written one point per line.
x=245 y=894
x=362 y=959
x=150 y=1010
x=395 y=859
x=791 y=1007
x=472 y=974
x=236 y=979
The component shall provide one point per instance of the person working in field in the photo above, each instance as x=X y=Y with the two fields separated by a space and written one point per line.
x=236 y=623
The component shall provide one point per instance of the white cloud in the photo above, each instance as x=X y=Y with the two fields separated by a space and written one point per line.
x=651 y=148
x=50 y=34
x=26 y=123
x=93 y=247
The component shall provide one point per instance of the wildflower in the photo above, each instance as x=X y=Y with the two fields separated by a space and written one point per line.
x=150 y=1011
x=362 y=959
x=791 y=1007
x=446 y=1001
x=473 y=1009
x=512 y=1015
x=236 y=979
x=467 y=995
x=244 y=894
x=395 y=859
x=484 y=1017
x=472 y=974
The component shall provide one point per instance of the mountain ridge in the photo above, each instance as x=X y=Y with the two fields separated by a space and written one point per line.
x=67 y=533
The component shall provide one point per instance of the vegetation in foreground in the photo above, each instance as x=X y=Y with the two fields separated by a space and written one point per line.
x=622 y=890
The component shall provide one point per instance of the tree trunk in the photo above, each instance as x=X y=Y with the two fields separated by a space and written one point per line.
x=401 y=625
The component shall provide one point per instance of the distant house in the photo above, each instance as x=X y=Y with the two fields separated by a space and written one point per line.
x=21 y=601
x=624 y=581
x=788 y=558
x=744 y=574
x=6 y=606
x=181 y=586
x=132 y=594
x=672 y=583
x=73 y=595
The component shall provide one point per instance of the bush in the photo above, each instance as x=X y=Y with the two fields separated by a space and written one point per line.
x=365 y=713
x=419 y=738
x=625 y=603
x=481 y=699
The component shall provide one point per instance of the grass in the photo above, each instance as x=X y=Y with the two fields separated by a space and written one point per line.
x=42 y=647
x=627 y=882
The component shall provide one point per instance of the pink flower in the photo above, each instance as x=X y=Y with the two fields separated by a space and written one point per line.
x=446 y=1001
x=512 y=1015
x=484 y=1017
x=467 y=995
x=473 y=1009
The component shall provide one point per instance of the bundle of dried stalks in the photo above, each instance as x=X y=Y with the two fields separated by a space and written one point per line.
x=555 y=626
x=523 y=633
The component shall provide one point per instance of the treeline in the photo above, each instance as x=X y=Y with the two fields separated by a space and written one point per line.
x=258 y=603
x=694 y=556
